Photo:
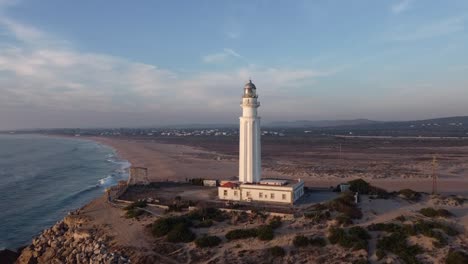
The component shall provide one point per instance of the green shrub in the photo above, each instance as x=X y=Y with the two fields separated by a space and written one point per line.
x=209 y=213
x=343 y=220
x=277 y=251
x=137 y=204
x=318 y=216
x=397 y=244
x=431 y=212
x=163 y=226
x=456 y=257
x=133 y=213
x=265 y=232
x=425 y=227
x=241 y=233
x=345 y=205
x=357 y=231
x=355 y=238
x=317 y=241
x=336 y=235
x=410 y=194
x=207 y=241
x=359 y=185
x=275 y=222
x=180 y=233
x=300 y=241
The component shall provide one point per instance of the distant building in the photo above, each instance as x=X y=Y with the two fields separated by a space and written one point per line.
x=250 y=186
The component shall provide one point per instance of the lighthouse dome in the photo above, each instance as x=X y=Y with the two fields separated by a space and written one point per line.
x=250 y=90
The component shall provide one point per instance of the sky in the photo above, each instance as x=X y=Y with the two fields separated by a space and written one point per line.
x=118 y=63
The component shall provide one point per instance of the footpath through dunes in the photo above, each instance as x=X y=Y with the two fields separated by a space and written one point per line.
x=171 y=162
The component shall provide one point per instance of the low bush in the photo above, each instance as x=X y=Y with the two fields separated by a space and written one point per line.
x=137 y=204
x=277 y=251
x=209 y=213
x=275 y=222
x=318 y=216
x=133 y=213
x=180 y=233
x=241 y=233
x=265 y=232
x=355 y=238
x=163 y=226
x=431 y=212
x=357 y=231
x=300 y=241
x=317 y=241
x=410 y=194
x=456 y=257
x=345 y=205
x=363 y=187
x=397 y=244
x=425 y=227
x=343 y=219
x=207 y=241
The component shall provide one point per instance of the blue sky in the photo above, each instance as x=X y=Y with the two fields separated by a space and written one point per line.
x=131 y=63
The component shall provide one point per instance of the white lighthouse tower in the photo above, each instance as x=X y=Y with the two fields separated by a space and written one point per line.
x=250 y=168
x=251 y=186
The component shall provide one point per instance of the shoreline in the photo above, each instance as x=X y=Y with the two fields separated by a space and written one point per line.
x=119 y=159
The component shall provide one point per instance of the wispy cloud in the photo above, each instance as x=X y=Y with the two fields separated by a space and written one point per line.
x=439 y=28
x=401 y=6
x=221 y=56
x=42 y=71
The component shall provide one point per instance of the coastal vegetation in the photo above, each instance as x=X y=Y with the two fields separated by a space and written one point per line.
x=277 y=251
x=207 y=241
x=431 y=212
x=133 y=210
x=355 y=238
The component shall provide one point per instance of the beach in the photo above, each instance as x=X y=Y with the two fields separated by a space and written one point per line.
x=177 y=162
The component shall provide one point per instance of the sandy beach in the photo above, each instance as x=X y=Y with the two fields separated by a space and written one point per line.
x=178 y=162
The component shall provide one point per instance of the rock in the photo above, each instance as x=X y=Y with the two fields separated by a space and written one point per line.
x=26 y=257
x=48 y=255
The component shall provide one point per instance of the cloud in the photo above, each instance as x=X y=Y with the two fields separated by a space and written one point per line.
x=401 y=6
x=221 y=56
x=439 y=28
x=40 y=71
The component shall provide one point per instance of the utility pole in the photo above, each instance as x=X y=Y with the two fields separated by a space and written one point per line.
x=434 y=174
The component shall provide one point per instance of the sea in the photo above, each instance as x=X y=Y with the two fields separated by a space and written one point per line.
x=43 y=178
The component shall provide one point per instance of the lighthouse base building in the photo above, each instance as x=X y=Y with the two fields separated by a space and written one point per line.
x=251 y=186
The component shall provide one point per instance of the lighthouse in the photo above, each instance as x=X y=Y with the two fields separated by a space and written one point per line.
x=249 y=137
x=250 y=186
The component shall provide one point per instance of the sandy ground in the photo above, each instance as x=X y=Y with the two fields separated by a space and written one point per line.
x=178 y=162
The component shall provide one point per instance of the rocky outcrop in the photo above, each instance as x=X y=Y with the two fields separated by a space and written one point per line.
x=67 y=242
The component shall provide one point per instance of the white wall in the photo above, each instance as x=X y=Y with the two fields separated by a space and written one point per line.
x=225 y=193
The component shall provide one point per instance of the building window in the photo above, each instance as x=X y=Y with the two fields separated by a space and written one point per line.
x=272 y=196
x=248 y=194
x=284 y=196
x=235 y=193
x=225 y=192
x=260 y=195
